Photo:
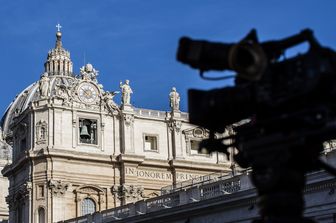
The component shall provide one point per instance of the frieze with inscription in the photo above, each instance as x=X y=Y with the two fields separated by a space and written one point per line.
x=158 y=175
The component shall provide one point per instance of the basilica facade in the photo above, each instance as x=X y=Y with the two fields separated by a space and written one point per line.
x=76 y=151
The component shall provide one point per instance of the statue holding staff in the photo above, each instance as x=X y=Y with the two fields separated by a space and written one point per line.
x=126 y=92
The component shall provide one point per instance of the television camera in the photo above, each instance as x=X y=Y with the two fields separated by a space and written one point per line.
x=290 y=104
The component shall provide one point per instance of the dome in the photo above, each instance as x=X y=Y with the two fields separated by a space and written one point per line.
x=24 y=100
x=57 y=81
x=57 y=66
x=17 y=106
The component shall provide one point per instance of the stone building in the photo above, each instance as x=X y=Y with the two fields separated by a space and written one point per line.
x=76 y=151
x=221 y=199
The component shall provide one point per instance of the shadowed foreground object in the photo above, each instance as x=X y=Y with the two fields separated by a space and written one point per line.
x=289 y=120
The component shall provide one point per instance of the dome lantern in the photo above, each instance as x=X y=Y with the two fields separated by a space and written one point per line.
x=58 y=59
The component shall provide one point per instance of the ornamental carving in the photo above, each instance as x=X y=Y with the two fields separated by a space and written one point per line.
x=24 y=189
x=200 y=133
x=22 y=193
x=82 y=92
x=134 y=191
x=58 y=187
x=89 y=73
x=63 y=92
x=175 y=125
x=109 y=102
x=128 y=192
x=41 y=132
x=129 y=119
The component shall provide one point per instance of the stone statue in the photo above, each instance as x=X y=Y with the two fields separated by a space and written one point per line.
x=174 y=98
x=89 y=73
x=108 y=98
x=44 y=85
x=126 y=92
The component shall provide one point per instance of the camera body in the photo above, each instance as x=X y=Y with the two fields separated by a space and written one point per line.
x=265 y=86
x=291 y=106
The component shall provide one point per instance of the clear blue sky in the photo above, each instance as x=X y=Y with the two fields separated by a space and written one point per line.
x=137 y=39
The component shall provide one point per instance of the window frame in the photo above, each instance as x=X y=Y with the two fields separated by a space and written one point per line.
x=38 y=189
x=82 y=207
x=191 y=149
x=196 y=134
x=96 y=119
x=156 y=136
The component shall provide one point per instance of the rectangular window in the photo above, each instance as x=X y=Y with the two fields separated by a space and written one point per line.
x=40 y=191
x=194 y=148
x=194 y=145
x=88 y=131
x=151 y=143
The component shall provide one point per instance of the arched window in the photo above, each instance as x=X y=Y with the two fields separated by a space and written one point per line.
x=88 y=206
x=41 y=215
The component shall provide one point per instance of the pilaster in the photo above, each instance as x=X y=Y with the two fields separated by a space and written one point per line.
x=175 y=124
x=127 y=129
